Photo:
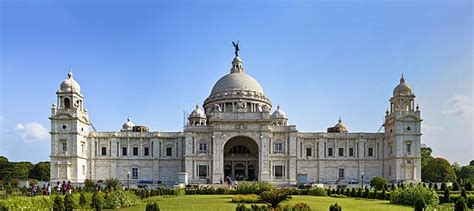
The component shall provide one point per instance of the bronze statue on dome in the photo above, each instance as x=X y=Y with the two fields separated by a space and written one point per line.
x=237 y=49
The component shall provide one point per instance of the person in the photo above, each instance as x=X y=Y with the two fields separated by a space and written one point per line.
x=221 y=181
x=48 y=190
x=63 y=187
x=58 y=188
x=43 y=190
x=33 y=190
x=69 y=187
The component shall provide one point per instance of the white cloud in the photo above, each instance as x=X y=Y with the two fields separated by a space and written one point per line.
x=458 y=105
x=32 y=131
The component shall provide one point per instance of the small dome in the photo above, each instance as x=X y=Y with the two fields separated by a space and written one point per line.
x=341 y=126
x=128 y=125
x=402 y=88
x=279 y=114
x=70 y=85
x=198 y=112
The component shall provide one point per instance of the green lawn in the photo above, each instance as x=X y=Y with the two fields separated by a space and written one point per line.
x=223 y=202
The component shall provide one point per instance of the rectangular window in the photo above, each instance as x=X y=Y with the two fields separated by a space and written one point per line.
x=409 y=148
x=64 y=146
x=341 y=151
x=329 y=152
x=134 y=173
x=169 y=151
x=389 y=171
x=124 y=151
x=104 y=151
x=341 y=174
x=83 y=170
x=308 y=152
x=278 y=148
x=202 y=171
x=146 y=151
x=351 y=152
x=83 y=148
x=278 y=172
x=371 y=151
x=203 y=148
x=135 y=151
x=391 y=149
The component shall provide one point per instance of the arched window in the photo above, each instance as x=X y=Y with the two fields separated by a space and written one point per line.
x=239 y=149
x=67 y=103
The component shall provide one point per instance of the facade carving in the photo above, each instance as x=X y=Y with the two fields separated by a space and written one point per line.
x=234 y=134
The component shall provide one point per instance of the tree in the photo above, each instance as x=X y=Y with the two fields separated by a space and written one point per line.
x=455 y=186
x=335 y=207
x=274 y=197
x=82 y=200
x=21 y=170
x=466 y=173
x=96 y=202
x=58 y=203
x=460 y=204
x=471 y=163
x=69 y=203
x=378 y=183
x=456 y=167
x=446 y=198
x=41 y=171
x=425 y=155
x=438 y=170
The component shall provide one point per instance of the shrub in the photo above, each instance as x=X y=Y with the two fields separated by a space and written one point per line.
x=460 y=204
x=27 y=203
x=366 y=193
x=301 y=206
x=378 y=183
x=58 y=203
x=274 y=196
x=443 y=186
x=69 y=203
x=317 y=191
x=359 y=193
x=353 y=192
x=89 y=185
x=253 y=187
x=152 y=206
x=113 y=184
x=463 y=194
x=410 y=195
x=446 y=196
x=468 y=186
x=455 y=186
x=120 y=198
x=96 y=202
x=335 y=207
x=435 y=186
x=249 y=198
x=338 y=196
x=82 y=200
x=420 y=205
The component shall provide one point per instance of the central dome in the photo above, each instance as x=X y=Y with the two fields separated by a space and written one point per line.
x=237 y=91
x=236 y=81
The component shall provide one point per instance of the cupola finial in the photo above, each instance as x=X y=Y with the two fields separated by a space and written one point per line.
x=402 y=79
x=69 y=74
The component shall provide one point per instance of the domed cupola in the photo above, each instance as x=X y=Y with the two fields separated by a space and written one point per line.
x=197 y=117
x=237 y=92
x=340 y=127
x=279 y=116
x=402 y=89
x=69 y=85
x=128 y=126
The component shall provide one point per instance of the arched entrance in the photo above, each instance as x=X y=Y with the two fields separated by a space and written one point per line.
x=241 y=158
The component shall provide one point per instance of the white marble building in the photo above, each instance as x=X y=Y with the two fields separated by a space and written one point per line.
x=234 y=134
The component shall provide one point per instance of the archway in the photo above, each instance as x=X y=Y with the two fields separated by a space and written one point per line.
x=241 y=158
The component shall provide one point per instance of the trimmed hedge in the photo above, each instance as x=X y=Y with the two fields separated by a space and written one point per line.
x=412 y=195
x=249 y=198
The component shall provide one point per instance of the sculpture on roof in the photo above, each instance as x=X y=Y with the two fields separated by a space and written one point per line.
x=237 y=49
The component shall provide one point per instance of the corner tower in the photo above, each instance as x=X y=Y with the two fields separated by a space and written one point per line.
x=69 y=130
x=403 y=134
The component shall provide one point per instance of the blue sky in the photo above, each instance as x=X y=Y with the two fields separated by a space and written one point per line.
x=319 y=60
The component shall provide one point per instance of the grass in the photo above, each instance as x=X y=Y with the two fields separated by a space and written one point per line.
x=223 y=202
